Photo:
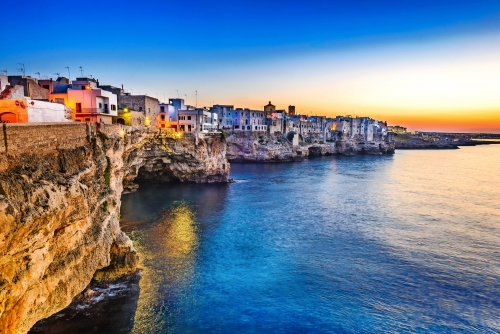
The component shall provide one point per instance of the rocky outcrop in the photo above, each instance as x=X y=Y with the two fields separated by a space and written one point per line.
x=60 y=188
x=420 y=144
x=263 y=147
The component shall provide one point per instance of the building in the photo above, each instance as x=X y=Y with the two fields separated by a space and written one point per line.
x=148 y=105
x=225 y=114
x=4 y=82
x=28 y=110
x=30 y=86
x=397 y=129
x=129 y=117
x=240 y=119
x=168 y=113
x=291 y=110
x=197 y=120
x=50 y=84
x=87 y=102
x=269 y=108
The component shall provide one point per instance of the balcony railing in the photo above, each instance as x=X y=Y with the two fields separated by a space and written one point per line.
x=91 y=111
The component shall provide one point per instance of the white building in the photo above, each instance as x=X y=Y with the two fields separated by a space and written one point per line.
x=4 y=81
x=240 y=119
x=198 y=120
x=88 y=103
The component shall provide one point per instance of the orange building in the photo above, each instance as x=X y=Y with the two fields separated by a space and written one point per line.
x=14 y=111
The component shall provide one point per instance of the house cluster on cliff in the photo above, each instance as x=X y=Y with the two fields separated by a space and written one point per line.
x=307 y=128
x=26 y=99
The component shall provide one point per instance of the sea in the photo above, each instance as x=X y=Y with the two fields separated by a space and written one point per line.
x=403 y=243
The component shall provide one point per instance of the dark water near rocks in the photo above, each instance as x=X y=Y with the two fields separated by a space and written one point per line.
x=365 y=244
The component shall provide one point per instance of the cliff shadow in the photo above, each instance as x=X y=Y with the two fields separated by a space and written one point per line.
x=102 y=308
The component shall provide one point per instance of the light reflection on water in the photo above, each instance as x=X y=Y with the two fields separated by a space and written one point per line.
x=174 y=238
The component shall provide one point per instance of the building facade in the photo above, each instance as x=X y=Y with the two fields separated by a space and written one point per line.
x=148 y=105
x=87 y=102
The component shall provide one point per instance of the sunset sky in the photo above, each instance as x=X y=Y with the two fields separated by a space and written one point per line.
x=427 y=65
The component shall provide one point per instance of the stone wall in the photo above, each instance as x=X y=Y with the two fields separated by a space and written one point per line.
x=38 y=137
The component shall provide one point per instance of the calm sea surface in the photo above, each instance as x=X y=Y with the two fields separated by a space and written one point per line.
x=366 y=244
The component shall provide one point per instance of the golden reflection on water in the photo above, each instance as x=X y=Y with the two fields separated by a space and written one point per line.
x=175 y=237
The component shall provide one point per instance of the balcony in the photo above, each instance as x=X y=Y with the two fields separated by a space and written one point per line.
x=91 y=111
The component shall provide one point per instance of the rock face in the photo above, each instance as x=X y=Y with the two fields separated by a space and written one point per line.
x=60 y=188
x=259 y=147
x=263 y=147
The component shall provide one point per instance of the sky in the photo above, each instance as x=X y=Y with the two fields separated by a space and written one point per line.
x=426 y=65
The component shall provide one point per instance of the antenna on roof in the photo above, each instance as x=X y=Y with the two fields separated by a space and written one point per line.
x=38 y=74
x=58 y=74
x=22 y=69
x=69 y=73
x=91 y=77
x=186 y=98
x=81 y=71
x=196 y=92
x=4 y=71
x=177 y=93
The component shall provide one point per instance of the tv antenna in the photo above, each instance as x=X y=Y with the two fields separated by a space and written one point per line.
x=177 y=93
x=196 y=93
x=58 y=74
x=186 y=98
x=38 y=74
x=69 y=73
x=22 y=69
x=4 y=71
x=81 y=71
x=91 y=77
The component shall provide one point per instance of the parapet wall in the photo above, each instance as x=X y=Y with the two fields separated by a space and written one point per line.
x=33 y=137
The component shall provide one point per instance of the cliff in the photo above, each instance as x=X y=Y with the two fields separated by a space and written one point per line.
x=264 y=147
x=60 y=188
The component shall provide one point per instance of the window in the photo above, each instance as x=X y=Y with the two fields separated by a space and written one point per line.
x=113 y=107
x=140 y=108
x=100 y=105
x=162 y=109
x=162 y=117
x=189 y=118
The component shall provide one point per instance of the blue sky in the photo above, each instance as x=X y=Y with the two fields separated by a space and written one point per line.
x=244 y=52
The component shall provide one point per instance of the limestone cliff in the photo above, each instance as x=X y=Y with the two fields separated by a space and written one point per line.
x=263 y=147
x=60 y=188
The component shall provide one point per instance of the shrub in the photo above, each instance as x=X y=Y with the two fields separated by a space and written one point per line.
x=107 y=173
